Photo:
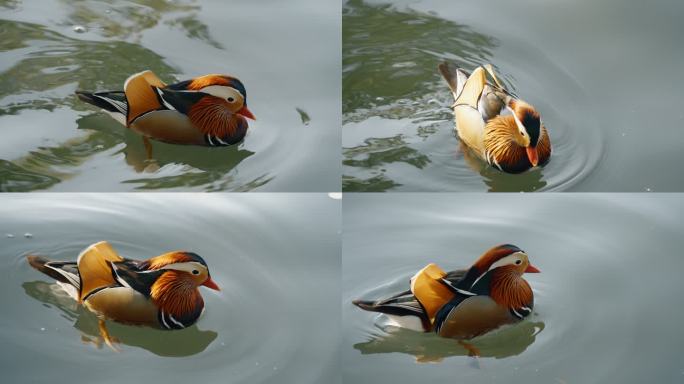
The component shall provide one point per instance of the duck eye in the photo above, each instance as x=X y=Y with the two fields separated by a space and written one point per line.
x=195 y=272
x=230 y=99
x=518 y=262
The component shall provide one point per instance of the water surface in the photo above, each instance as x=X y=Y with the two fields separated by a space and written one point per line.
x=287 y=55
x=606 y=301
x=602 y=74
x=276 y=259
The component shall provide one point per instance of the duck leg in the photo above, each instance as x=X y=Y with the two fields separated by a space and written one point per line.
x=148 y=147
x=472 y=352
x=108 y=339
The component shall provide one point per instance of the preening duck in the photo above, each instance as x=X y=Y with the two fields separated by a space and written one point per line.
x=499 y=128
x=209 y=110
x=160 y=292
x=463 y=304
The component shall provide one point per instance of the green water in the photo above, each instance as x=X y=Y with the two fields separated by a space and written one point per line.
x=275 y=257
x=52 y=141
x=602 y=74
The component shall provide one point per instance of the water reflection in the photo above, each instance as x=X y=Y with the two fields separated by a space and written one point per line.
x=497 y=181
x=389 y=71
x=56 y=67
x=127 y=21
x=385 y=60
x=184 y=342
x=430 y=348
x=393 y=95
x=42 y=68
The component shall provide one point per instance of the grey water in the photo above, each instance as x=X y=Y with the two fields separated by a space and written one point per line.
x=607 y=300
x=286 y=53
x=605 y=76
x=275 y=257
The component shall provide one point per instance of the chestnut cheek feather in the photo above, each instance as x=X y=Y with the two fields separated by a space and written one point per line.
x=532 y=155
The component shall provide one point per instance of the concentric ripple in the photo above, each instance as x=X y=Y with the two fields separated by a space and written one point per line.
x=398 y=131
x=256 y=329
x=609 y=271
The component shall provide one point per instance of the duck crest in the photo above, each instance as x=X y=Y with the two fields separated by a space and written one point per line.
x=208 y=80
x=509 y=289
x=161 y=261
x=493 y=255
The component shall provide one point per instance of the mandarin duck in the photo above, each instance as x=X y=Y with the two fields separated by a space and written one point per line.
x=208 y=110
x=161 y=292
x=497 y=127
x=463 y=304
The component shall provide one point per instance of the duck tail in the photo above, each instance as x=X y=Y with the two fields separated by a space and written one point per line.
x=366 y=305
x=454 y=76
x=114 y=102
x=62 y=271
x=39 y=263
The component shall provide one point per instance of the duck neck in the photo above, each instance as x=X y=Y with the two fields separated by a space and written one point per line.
x=502 y=139
x=509 y=289
x=212 y=116
x=176 y=294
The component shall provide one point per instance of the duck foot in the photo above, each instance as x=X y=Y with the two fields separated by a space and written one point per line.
x=472 y=352
x=108 y=339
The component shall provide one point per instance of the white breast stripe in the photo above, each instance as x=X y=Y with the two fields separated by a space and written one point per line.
x=161 y=96
x=496 y=163
x=178 y=323
x=118 y=278
x=516 y=313
x=459 y=290
x=209 y=140
x=446 y=318
x=164 y=321
x=220 y=141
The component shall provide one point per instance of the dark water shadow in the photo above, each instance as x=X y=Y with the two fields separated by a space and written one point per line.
x=390 y=54
x=186 y=342
x=497 y=181
x=430 y=348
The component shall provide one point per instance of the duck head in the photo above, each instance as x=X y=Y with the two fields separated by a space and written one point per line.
x=229 y=90
x=504 y=265
x=529 y=128
x=508 y=258
x=183 y=270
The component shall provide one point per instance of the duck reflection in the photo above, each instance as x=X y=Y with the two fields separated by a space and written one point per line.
x=498 y=181
x=207 y=159
x=430 y=348
x=186 y=342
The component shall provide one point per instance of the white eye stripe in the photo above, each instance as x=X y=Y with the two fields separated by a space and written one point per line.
x=508 y=260
x=186 y=267
x=521 y=127
x=223 y=92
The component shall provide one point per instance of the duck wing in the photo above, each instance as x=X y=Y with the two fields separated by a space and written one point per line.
x=94 y=268
x=131 y=274
x=141 y=96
